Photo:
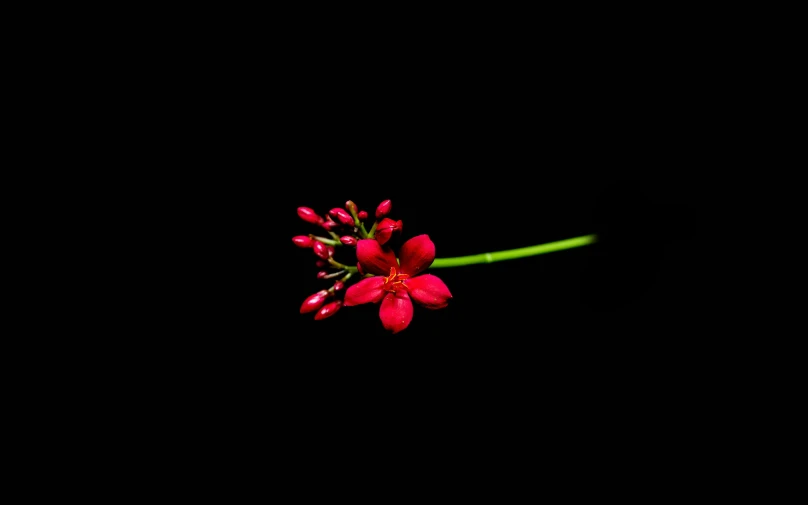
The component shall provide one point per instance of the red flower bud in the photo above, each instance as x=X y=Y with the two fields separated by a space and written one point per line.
x=348 y=240
x=320 y=249
x=383 y=209
x=321 y=274
x=341 y=215
x=314 y=302
x=302 y=241
x=339 y=286
x=321 y=263
x=362 y=215
x=330 y=250
x=329 y=225
x=386 y=228
x=351 y=206
x=308 y=215
x=328 y=310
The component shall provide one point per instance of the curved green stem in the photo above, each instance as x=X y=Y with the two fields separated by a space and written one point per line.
x=522 y=252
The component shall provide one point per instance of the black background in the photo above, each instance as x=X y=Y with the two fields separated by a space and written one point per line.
x=483 y=149
x=482 y=155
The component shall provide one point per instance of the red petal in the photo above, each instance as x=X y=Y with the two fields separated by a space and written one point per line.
x=429 y=291
x=374 y=258
x=367 y=290
x=416 y=255
x=396 y=311
x=385 y=230
x=383 y=235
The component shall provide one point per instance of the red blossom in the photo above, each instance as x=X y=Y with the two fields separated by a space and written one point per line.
x=398 y=282
x=386 y=228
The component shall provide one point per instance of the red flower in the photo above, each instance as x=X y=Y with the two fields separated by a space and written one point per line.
x=394 y=285
x=386 y=228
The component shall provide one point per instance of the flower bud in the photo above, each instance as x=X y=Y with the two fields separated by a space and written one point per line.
x=328 y=310
x=341 y=215
x=321 y=263
x=329 y=225
x=314 y=302
x=320 y=249
x=348 y=240
x=339 y=286
x=308 y=215
x=330 y=250
x=386 y=228
x=302 y=241
x=383 y=209
x=321 y=274
x=351 y=207
x=362 y=215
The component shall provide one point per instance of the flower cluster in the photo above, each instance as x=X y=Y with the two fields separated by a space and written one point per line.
x=393 y=282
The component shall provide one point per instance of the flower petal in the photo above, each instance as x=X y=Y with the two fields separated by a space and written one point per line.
x=367 y=290
x=416 y=255
x=429 y=291
x=385 y=230
x=396 y=311
x=375 y=259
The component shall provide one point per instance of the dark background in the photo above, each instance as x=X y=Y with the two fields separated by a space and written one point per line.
x=483 y=147
x=483 y=152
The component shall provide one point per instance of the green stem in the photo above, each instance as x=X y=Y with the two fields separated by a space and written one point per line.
x=327 y=240
x=372 y=232
x=522 y=252
x=339 y=265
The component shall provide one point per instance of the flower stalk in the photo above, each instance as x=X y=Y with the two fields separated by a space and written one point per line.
x=510 y=254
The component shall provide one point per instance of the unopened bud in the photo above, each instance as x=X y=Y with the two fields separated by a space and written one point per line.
x=321 y=263
x=320 y=249
x=329 y=225
x=383 y=209
x=328 y=310
x=351 y=207
x=314 y=302
x=362 y=215
x=308 y=215
x=321 y=274
x=341 y=215
x=339 y=286
x=348 y=240
x=302 y=241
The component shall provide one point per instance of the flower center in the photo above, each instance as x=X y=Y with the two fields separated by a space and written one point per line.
x=395 y=281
